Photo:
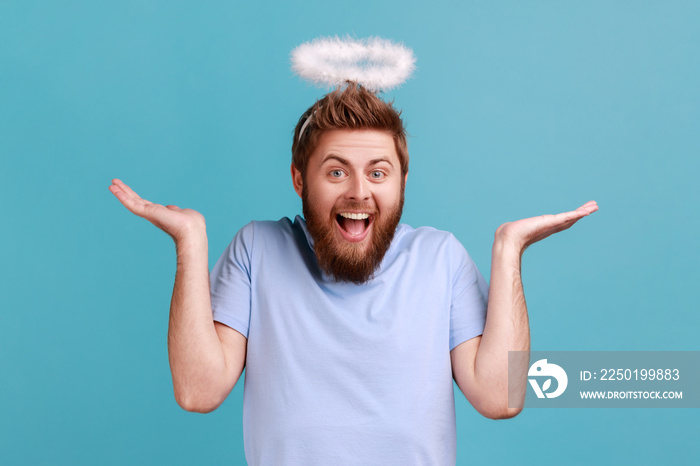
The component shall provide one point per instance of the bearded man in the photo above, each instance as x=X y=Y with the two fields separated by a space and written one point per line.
x=350 y=325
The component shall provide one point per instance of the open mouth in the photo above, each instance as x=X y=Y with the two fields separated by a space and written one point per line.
x=354 y=225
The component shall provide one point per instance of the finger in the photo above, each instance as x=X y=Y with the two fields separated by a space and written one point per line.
x=135 y=205
x=570 y=218
x=589 y=207
x=127 y=201
x=566 y=217
x=120 y=191
x=117 y=191
x=125 y=188
x=593 y=207
x=586 y=209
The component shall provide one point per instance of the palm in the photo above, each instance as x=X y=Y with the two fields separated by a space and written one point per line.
x=171 y=219
x=530 y=230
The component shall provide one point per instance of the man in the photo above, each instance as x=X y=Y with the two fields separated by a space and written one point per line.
x=350 y=326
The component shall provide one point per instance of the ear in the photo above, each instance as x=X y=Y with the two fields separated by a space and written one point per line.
x=405 y=179
x=297 y=180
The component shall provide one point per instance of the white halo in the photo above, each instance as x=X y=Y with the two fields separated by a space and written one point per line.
x=376 y=63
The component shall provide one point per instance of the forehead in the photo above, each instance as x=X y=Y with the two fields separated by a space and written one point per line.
x=356 y=146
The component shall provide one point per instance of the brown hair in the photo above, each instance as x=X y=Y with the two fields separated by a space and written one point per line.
x=351 y=108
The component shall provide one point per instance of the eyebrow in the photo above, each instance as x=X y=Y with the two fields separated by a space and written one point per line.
x=346 y=162
x=335 y=157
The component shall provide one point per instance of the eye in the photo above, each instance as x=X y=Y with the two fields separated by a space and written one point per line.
x=336 y=173
x=376 y=175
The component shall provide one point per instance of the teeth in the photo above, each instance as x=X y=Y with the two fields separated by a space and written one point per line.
x=354 y=216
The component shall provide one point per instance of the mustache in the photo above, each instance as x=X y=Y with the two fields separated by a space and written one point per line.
x=350 y=206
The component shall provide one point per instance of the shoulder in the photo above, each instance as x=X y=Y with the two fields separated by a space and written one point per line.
x=271 y=236
x=261 y=229
x=426 y=238
x=259 y=232
x=430 y=244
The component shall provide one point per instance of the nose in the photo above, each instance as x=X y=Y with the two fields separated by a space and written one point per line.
x=358 y=189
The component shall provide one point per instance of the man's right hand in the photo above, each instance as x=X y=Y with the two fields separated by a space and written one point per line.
x=176 y=222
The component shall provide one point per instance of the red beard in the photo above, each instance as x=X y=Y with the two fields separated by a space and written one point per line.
x=345 y=261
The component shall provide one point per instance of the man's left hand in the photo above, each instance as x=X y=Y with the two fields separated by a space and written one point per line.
x=523 y=233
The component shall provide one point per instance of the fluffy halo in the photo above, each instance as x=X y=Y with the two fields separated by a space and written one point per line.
x=376 y=63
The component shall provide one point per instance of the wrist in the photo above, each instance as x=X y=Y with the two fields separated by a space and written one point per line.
x=507 y=244
x=507 y=251
x=192 y=240
x=506 y=237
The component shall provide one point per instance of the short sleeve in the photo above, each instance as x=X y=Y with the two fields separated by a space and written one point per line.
x=230 y=282
x=470 y=295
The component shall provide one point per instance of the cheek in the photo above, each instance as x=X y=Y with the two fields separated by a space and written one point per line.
x=388 y=196
x=322 y=198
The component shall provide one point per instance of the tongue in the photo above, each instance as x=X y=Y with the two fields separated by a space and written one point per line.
x=354 y=227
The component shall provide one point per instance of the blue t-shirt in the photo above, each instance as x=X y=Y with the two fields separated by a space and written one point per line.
x=338 y=373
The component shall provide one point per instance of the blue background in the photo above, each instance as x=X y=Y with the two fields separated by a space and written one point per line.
x=516 y=109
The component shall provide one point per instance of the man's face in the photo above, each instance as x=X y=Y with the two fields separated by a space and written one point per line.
x=352 y=197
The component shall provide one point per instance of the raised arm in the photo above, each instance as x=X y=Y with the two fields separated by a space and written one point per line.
x=480 y=365
x=206 y=357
